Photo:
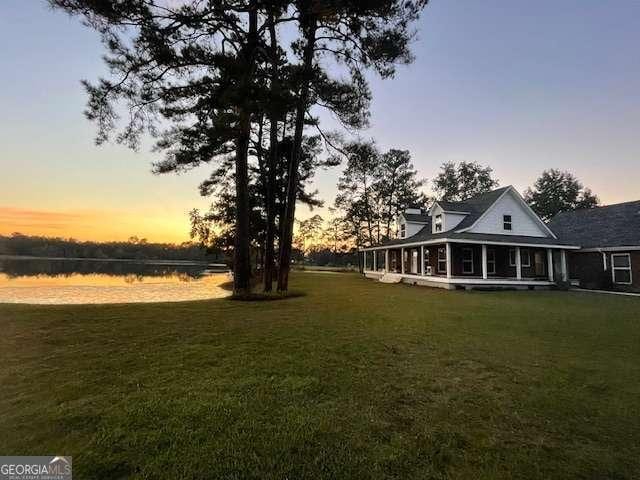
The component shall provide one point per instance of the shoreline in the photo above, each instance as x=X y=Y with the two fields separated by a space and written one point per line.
x=124 y=260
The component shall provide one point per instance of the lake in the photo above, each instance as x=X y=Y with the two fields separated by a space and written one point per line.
x=81 y=281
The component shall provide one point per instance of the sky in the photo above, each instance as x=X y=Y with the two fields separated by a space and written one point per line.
x=518 y=85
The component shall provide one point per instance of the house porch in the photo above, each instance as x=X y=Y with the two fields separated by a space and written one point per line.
x=468 y=265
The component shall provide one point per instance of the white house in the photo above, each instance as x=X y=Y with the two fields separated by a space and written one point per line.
x=491 y=240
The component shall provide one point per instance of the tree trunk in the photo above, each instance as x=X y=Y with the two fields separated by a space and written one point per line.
x=241 y=250
x=390 y=203
x=367 y=207
x=286 y=235
x=269 y=244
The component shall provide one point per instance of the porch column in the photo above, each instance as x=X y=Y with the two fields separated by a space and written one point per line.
x=518 y=264
x=422 y=260
x=364 y=260
x=375 y=262
x=386 y=260
x=550 y=264
x=402 y=260
x=563 y=265
x=448 y=246
x=485 y=269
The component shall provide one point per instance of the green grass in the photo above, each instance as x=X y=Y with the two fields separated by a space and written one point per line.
x=354 y=380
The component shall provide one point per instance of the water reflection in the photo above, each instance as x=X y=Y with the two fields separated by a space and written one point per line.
x=29 y=280
x=14 y=267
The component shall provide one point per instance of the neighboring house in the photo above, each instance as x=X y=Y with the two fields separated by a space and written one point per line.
x=610 y=241
x=490 y=240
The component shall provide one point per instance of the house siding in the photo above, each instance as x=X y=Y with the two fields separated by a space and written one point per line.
x=449 y=220
x=522 y=222
x=412 y=228
x=635 y=271
x=588 y=269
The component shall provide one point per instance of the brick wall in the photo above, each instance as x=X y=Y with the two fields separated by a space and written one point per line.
x=588 y=267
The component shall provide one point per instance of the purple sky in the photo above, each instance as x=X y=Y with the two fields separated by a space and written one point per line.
x=519 y=85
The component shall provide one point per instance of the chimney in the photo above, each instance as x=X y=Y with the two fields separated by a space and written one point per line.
x=413 y=210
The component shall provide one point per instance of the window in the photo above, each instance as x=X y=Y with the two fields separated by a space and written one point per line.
x=438 y=223
x=491 y=261
x=442 y=260
x=525 y=257
x=403 y=230
x=506 y=222
x=621 y=268
x=467 y=260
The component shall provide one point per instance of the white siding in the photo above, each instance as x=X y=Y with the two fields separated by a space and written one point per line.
x=521 y=220
x=413 y=228
x=449 y=220
x=452 y=220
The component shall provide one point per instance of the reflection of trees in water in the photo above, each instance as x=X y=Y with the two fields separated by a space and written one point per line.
x=185 y=277
x=132 y=278
x=132 y=271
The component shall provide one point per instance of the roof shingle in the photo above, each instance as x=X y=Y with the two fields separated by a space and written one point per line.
x=416 y=217
x=474 y=207
x=610 y=226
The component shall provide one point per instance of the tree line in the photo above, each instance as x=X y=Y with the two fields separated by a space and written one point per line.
x=133 y=249
x=236 y=84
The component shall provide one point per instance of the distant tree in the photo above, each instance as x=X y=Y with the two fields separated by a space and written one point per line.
x=308 y=233
x=134 y=248
x=374 y=188
x=397 y=187
x=556 y=191
x=356 y=198
x=459 y=181
x=335 y=234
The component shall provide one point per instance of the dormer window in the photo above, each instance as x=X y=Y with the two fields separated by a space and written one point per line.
x=506 y=222
x=403 y=230
x=438 y=223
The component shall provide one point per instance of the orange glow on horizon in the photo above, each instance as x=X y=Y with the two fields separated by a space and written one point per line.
x=96 y=225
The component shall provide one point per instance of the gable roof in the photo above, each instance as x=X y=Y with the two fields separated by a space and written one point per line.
x=491 y=200
x=475 y=207
x=610 y=226
x=452 y=206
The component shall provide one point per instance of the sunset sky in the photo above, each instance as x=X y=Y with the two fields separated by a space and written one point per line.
x=522 y=86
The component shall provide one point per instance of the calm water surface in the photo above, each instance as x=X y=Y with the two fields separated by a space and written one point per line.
x=63 y=281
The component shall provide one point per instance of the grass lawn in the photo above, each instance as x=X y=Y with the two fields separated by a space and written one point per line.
x=355 y=380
